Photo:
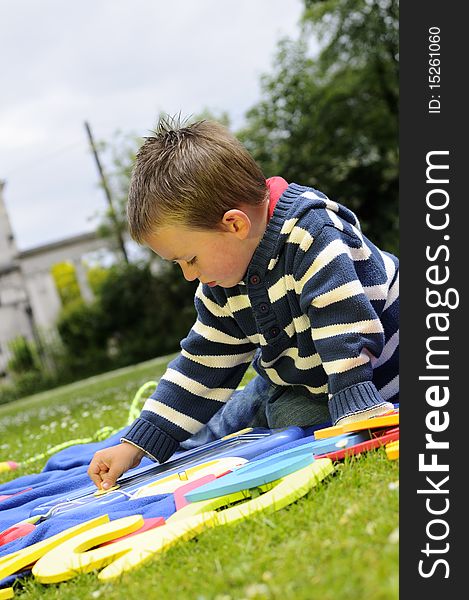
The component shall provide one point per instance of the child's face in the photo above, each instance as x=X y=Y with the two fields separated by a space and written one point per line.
x=218 y=257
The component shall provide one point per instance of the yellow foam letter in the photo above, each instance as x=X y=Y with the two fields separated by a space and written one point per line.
x=73 y=556
x=11 y=563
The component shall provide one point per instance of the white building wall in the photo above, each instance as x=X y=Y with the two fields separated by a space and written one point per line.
x=8 y=250
x=26 y=282
x=44 y=298
x=14 y=320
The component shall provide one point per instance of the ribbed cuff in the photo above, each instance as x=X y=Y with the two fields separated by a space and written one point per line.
x=355 y=399
x=152 y=440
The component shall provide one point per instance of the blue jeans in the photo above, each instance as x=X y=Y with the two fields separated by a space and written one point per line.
x=262 y=404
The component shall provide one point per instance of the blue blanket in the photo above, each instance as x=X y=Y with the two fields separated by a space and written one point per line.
x=65 y=475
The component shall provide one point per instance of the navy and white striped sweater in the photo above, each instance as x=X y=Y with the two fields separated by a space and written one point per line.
x=318 y=307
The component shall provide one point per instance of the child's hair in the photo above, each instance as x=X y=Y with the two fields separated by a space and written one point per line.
x=191 y=175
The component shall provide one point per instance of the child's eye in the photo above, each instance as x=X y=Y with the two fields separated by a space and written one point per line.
x=192 y=261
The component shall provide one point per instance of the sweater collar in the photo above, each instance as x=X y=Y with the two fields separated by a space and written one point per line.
x=268 y=246
x=276 y=186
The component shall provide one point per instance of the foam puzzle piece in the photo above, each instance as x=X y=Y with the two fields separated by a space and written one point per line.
x=149 y=523
x=247 y=446
x=169 y=484
x=376 y=423
x=371 y=444
x=6 y=496
x=72 y=557
x=179 y=495
x=278 y=494
x=11 y=563
x=15 y=532
x=273 y=467
x=373 y=423
x=8 y=465
x=392 y=450
x=101 y=492
x=255 y=476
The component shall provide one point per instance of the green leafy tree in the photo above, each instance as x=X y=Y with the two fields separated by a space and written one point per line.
x=330 y=119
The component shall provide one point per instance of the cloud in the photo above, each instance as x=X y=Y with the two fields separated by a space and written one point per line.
x=116 y=64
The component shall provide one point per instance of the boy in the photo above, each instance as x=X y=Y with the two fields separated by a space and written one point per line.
x=287 y=282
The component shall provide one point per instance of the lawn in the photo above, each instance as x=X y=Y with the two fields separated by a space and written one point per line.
x=340 y=542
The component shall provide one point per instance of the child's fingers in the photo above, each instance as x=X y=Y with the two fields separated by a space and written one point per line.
x=96 y=479
x=108 y=465
x=110 y=476
x=96 y=472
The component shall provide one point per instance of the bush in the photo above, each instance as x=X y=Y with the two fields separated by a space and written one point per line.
x=28 y=374
x=24 y=356
x=30 y=383
x=8 y=393
x=80 y=327
x=136 y=315
x=145 y=315
x=25 y=384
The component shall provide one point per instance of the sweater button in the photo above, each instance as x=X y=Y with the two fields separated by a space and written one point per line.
x=263 y=307
x=274 y=331
x=255 y=279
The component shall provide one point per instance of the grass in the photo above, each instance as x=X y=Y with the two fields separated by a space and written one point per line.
x=338 y=542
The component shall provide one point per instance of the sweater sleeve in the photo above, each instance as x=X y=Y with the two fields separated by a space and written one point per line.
x=213 y=359
x=345 y=325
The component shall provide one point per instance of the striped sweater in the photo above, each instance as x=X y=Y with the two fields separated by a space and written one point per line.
x=318 y=308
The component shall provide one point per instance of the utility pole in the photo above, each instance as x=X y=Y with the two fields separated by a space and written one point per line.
x=112 y=212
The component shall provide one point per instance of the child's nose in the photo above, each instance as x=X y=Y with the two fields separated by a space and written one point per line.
x=189 y=272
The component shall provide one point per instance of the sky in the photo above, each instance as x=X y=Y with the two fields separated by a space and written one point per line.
x=115 y=64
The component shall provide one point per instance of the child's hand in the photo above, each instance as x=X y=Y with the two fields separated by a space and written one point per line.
x=107 y=465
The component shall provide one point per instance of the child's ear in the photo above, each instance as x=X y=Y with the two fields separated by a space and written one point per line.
x=236 y=221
